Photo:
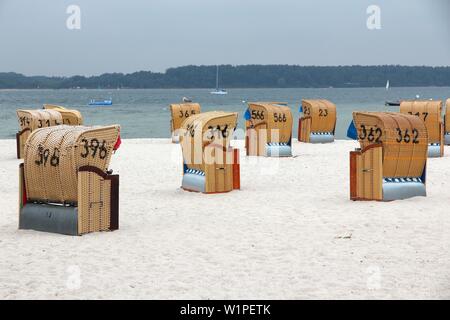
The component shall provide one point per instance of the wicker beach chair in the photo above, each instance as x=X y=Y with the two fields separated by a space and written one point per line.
x=179 y=113
x=268 y=129
x=65 y=185
x=447 y=123
x=318 y=123
x=30 y=120
x=210 y=164
x=391 y=163
x=70 y=117
x=431 y=113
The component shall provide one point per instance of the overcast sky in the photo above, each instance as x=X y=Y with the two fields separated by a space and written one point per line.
x=131 y=35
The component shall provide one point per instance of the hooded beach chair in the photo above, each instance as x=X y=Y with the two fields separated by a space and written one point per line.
x=210 y=165
x=391 y=163
x=65 y=184
x=318 y=123
x=179 y=113
x=447 y=123
x=431 y=113
x=268 y=129
x=30 y=120
x=69 y=116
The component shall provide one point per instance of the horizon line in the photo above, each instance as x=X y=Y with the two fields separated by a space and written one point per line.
x=224 y=65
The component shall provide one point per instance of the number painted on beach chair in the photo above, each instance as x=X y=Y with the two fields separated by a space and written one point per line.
x=371 y=134
x=91 y=147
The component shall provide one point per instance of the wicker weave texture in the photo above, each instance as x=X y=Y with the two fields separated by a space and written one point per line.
x=69 y=116
x=276 y=119
x=403 y=137
x=182 y=111
x=35 y=119
x=204 y=129
x=53 y=156
x=430 y=112
x=94 y=204
x=305 y=129
x=369 y=174
x=322 y=113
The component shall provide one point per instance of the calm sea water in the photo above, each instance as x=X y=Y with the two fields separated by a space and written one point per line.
x=144 y=113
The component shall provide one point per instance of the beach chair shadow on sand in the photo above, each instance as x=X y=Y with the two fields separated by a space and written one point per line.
x=65 y=184
x=391 y=163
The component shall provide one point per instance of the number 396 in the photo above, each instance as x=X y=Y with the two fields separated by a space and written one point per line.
x=94 y=148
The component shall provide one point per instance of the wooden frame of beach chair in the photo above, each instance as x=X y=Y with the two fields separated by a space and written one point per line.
x=447 y=123
x=318 y=123
x=180 y=112
x=65 y=185
x=30 y=120
x=391 y=163
x=69 y=116
x=210 y=164
x=431 y=113
x=268 y=129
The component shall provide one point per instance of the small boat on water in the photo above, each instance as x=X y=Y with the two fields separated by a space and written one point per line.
x=106 y=102
x=392 y=103
x=398 y=102
x=218 y=91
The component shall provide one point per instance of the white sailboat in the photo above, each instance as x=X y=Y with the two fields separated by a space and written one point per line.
x=388 y=85
x=218 y=90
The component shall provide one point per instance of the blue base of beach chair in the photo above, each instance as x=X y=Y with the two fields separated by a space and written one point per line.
x=321 y=137
x=434 y=151
x=278 y=150
x=398 y=189
x=447 y=139
x=49 y=218
x=194 y=180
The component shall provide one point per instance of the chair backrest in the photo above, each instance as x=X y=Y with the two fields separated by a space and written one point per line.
x=322 y=113
x=53 y=156
x=35 y=119
x=182 y=111
x=430 y=113
x=213 y=128
x=271 y=116
x=403 y=137
x=70 y=116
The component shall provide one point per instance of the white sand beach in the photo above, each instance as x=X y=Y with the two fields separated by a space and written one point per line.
x=290 y=233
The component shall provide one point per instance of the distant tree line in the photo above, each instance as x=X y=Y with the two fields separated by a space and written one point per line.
x=246 y=76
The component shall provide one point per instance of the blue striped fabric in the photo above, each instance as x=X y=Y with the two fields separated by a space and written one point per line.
x=402 y=180
x=197 y=172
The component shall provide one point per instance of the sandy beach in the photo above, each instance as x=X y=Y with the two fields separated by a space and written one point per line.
x=290 y=233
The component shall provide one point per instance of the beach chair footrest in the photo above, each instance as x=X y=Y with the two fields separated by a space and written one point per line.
x=278 y=151
x=403 y=190
x=49 y=218
x=193 y=182
x=321 y=137
x=434 y=151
